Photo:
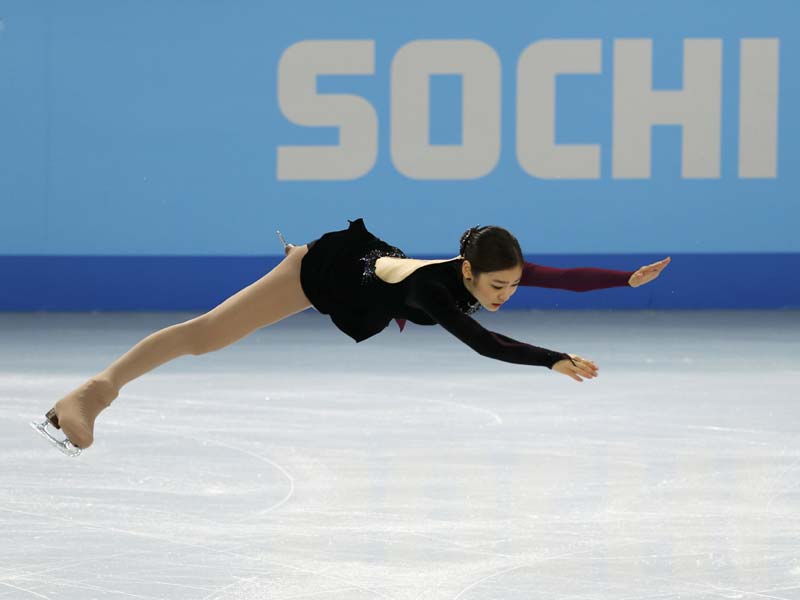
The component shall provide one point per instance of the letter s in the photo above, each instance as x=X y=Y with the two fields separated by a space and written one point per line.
x=300 y=103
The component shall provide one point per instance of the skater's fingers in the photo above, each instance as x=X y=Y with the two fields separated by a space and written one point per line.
x=585 y=367
x=576 y=367
x=584 y=371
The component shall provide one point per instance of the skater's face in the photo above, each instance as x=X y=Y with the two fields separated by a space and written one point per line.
x=493 y=288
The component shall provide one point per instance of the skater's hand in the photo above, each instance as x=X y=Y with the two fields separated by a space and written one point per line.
x=289 y=248
x=647 y=273
x=581 y=368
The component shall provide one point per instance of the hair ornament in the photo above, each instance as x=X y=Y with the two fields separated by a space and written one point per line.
x=467 y=237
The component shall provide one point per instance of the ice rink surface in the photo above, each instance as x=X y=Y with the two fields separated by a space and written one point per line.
x=298 y=464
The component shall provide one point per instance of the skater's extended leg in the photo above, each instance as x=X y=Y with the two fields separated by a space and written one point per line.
x=276 y=295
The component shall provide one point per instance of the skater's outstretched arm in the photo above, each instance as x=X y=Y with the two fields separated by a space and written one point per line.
x=584 y=279
x=438 y=303
x=581 y=279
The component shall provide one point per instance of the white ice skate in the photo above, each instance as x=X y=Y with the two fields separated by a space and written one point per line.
x=64 y=445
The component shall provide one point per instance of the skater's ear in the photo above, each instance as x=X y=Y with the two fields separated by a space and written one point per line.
x=466 y=269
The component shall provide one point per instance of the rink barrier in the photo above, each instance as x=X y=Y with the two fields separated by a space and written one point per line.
x=156 y=283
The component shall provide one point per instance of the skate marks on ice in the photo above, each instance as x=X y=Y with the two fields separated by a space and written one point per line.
x=191 y=464
x=467 y=479
x=46 y=580
x=259 y=513
x=262 y=569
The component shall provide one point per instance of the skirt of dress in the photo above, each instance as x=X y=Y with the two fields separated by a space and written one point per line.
x=338 y=277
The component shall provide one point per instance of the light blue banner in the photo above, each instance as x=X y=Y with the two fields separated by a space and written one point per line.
x=161 y=127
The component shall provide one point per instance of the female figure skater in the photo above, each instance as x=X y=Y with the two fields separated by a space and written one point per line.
x=362 y=283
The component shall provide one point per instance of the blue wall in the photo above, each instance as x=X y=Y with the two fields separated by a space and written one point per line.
x=139 y=145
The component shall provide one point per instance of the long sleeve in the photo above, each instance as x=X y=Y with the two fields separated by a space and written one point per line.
x=439 y=304
x=582 y=279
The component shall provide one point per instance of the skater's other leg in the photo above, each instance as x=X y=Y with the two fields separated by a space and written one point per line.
x=276 y=295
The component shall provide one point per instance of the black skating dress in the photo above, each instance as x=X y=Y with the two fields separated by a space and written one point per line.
x=338 y=277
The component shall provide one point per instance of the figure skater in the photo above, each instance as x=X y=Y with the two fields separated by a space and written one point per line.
x=362 y=283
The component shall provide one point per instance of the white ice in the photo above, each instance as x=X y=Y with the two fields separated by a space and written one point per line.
x=298 y=464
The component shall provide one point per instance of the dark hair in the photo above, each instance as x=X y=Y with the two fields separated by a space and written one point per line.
x=490 y=248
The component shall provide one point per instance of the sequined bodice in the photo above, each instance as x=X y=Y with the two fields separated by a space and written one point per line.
x=468 y=307
x=370 y=258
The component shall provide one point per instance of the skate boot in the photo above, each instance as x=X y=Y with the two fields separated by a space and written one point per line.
x=75 y=414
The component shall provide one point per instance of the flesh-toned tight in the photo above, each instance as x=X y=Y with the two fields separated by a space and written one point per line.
x=271 y=298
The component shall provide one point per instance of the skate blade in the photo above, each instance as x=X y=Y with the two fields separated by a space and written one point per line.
x=283 y=241
x=64 y=445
